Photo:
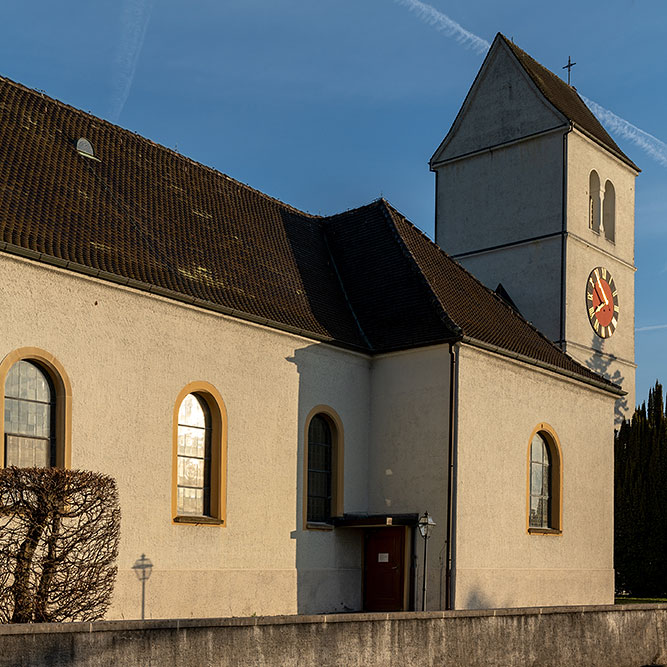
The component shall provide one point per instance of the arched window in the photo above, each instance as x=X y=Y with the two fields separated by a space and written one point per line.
x=609 y=212
x=29 y=417
x=544 y=481
x=194 y=457
x=36 y=420
x=324 y=468
x=200 y=452
x=594 y=202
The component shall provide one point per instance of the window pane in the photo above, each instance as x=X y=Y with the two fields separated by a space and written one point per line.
x=26 y=380
x=190 y=471
x=535 y=518
x=318 y=509
x=319 y=431
x=27 y=452
x=319 y=457
x=27 y=418
x=191 y=501
x=319 y=484
x=537 y=449
x=191 y=412
x=12 y=382
x=546 y=490
x=536 y=479
x=191 y=441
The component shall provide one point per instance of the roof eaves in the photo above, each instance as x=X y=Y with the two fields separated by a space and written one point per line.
x=602 y=383
x=464 y=337
x=619 y=154
x=132 y=283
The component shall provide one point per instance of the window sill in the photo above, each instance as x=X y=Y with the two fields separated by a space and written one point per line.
x=316 y=525
x=199 y=520
x=545 y=531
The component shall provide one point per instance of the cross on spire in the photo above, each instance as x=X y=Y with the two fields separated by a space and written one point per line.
x=569 y=67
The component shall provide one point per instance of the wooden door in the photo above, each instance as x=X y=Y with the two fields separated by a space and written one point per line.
x=384 y=569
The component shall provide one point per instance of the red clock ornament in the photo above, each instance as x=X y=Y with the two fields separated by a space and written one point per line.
x=602 y=302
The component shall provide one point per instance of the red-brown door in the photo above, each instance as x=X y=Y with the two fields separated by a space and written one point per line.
x=384 y=569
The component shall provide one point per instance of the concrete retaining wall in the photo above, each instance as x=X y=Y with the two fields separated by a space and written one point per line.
x=632 y=635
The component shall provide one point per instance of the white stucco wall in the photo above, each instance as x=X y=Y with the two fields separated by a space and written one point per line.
x=408 y=458
x=497 y=562
x=614 y=356
x=504 y=195
x=128 y=355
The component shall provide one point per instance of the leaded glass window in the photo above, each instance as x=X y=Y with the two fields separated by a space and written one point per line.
x=540 y=483
x=29 y=417
x=320 y=448
x=194 y=457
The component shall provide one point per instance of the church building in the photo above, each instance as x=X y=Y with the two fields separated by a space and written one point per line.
x=281 y=396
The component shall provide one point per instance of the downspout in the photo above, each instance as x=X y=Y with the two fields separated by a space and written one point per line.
x=451 y=491
x=563 y=241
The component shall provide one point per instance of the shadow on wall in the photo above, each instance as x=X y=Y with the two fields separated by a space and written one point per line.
x=328 y=560
x=477 y=600
x=600 y=364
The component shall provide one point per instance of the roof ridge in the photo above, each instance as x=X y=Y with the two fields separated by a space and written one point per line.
x=6 y=81
x=388 y=211
x=505 y=305
x=343 y=290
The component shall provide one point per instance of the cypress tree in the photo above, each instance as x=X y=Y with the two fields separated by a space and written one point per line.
x=640 y=499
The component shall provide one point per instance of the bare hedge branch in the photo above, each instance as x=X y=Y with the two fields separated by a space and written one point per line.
x=59 y=532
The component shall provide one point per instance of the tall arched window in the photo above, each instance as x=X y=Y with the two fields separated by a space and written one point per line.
x=323 y=497
x=594 y=201
x=320 y=444
x=544 y=481
x=540 y=483
x=200 y=456
x=194 y=457
x=29 y=417
x=36 y=421
x=609 y=211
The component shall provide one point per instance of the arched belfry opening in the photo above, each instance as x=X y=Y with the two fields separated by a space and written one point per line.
x=594 y=202
x=609 y=212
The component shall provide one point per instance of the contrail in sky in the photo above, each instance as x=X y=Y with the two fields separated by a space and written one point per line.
x=647 y=142
x=443 y=23
x=615 y=124
x=652 y=328
x=134 y=22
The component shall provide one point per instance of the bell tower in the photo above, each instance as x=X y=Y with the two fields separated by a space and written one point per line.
x=537 y=201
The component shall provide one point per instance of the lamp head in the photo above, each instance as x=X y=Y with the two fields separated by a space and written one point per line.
x=425 y=524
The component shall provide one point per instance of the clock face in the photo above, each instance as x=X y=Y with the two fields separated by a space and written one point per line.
x=602 y=302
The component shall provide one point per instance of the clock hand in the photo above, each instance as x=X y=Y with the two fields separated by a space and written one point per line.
x=606 y=301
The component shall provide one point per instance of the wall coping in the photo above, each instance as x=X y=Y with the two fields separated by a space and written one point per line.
x=300 y=619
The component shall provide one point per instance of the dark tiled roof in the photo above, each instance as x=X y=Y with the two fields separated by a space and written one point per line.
x=566 y=99
x=365 y=279
x=478 y=311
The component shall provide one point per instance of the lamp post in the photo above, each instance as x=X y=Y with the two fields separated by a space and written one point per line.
x=142 y=568
x=425 y=524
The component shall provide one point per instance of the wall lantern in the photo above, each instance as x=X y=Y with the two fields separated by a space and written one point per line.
x=143 y=567
x=426 y=525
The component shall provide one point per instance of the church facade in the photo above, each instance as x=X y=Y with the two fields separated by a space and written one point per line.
x=281 y=396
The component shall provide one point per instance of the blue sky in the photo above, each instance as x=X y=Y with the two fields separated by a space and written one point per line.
x=328 y=104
